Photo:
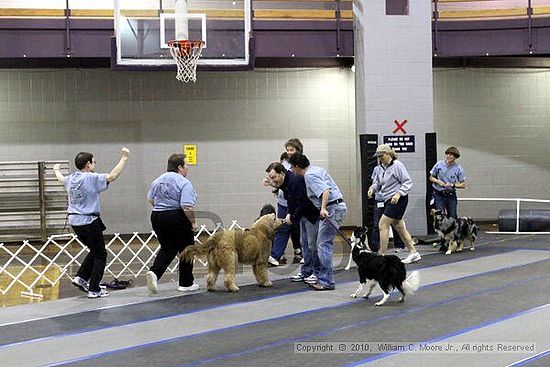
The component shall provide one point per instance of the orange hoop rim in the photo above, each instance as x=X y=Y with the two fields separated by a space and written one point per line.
x=185 y=46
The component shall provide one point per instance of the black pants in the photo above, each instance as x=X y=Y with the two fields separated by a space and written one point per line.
x=93 y=266
x=174 y=232
x=295 y=235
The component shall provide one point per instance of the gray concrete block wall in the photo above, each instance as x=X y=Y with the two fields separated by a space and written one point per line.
x=239 y=121
x=498 y=118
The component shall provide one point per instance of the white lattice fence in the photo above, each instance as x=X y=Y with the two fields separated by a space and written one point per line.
x=30 y=265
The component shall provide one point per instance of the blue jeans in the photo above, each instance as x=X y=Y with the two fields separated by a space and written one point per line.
x=325 y=243
x=281 y=235
x=308 y=241
x=446 y=202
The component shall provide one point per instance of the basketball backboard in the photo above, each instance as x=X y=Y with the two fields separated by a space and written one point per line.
x=143 y=28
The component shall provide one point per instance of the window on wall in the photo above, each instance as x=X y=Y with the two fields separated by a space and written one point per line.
x=397 y=7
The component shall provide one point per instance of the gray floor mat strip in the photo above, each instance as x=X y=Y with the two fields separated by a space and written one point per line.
x=58 y=349
x=483 y=346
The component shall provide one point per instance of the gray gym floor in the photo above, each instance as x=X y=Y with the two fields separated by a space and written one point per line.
x=497 y=294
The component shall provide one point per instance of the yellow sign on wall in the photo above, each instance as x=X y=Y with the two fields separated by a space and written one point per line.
x=190 y=151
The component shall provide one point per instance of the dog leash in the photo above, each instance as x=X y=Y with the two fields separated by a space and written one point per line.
x=348 y=266
x=338 y=231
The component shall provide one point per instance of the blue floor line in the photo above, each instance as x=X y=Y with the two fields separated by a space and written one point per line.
x=528 y=360
x=302 y=337
x=450 y=335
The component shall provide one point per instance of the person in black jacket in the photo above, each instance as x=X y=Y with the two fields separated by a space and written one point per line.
x=300 y=210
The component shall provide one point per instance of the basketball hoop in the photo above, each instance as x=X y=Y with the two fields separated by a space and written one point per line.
x=186 y=55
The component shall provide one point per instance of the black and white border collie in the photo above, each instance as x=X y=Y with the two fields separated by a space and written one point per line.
x=387 y=271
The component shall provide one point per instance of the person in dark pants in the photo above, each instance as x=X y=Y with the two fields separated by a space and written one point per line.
x=292 y=146
x=446 y=176
x=285 y=231
x=84 y=187
x=173 y=198
x=292 y=230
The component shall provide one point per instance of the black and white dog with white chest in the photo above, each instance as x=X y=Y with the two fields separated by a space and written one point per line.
x=387 y=271
x=454 y=231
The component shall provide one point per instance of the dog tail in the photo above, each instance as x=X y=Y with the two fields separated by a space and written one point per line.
x=411 y=284
x=474 y=227
x=197 y=250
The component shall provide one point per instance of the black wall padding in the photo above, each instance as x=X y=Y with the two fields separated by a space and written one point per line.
x=431 y=160
x=367 y=145
x=530 y=220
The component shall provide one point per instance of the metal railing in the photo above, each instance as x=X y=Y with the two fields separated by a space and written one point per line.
x=340 y=10
x=518 y=202
x=29 y=265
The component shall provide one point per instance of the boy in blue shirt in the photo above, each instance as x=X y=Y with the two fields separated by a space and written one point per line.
x=84 y=187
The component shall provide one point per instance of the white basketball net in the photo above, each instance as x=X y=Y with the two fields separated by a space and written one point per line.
x=186 y=55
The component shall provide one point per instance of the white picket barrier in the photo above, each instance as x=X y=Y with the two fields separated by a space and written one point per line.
x=65 y=252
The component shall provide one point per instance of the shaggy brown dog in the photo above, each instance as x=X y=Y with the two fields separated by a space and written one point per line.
x=251 y=246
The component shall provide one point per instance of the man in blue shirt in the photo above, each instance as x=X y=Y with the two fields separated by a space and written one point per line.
x=327 y=197
x=84 y=187
x=173 y=219
x=447 y=176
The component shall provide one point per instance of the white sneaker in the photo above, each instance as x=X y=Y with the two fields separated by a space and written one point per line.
x=81 y=284
x=152 y=282
x=192 y=287
x=312 y=279
x=297 y=278
x=102 y=293
x=272 y=261
x=412 y=258
x=302 y=261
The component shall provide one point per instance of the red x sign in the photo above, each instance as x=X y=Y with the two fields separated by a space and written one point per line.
x=399 y=126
